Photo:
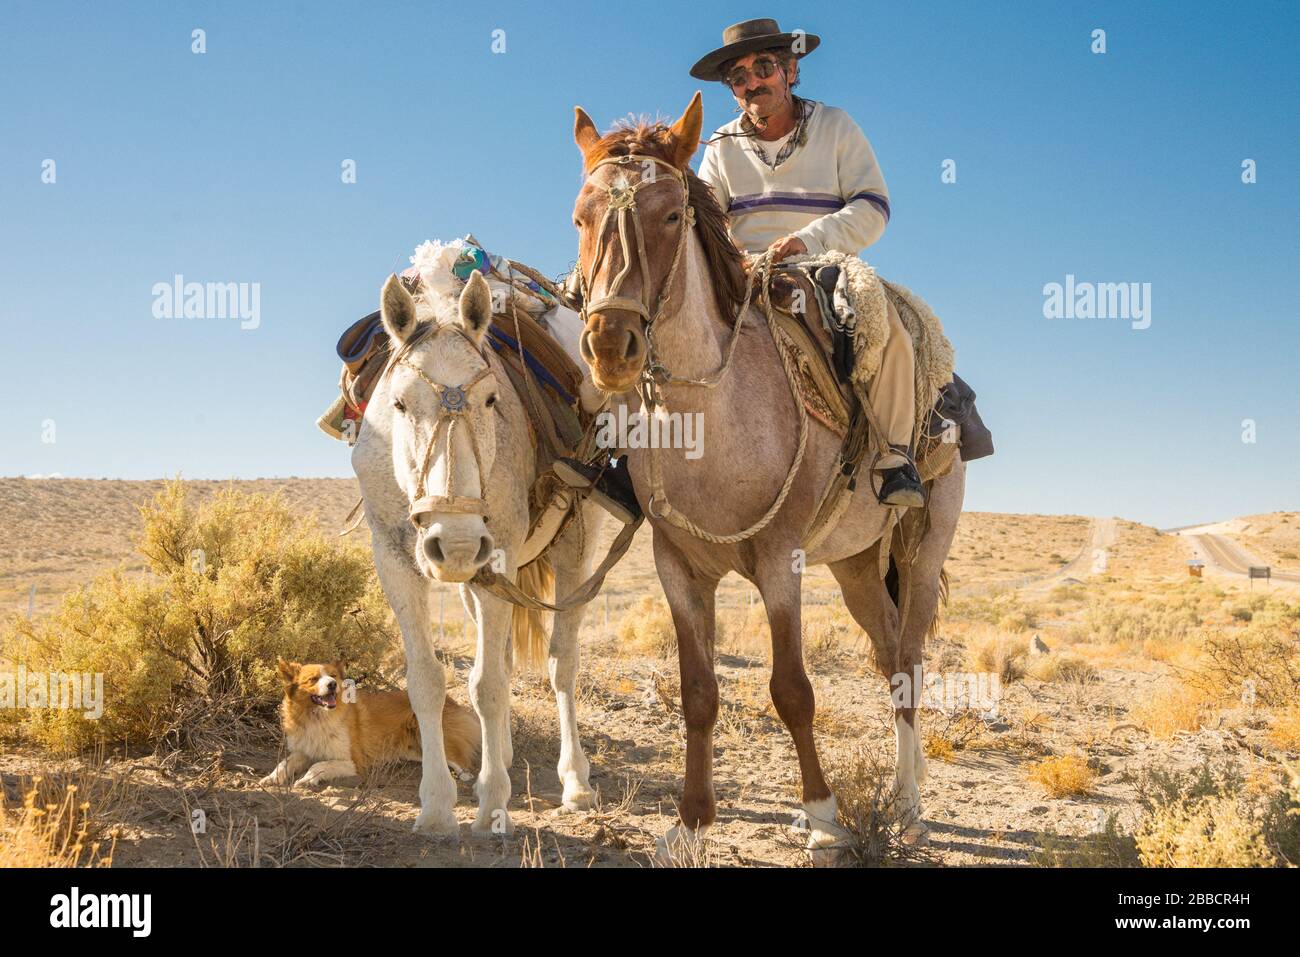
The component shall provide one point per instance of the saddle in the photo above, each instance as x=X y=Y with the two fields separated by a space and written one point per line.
x=543 y=374
x=802 y=300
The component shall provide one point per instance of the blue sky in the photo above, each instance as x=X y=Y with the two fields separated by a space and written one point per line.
x=225 y=167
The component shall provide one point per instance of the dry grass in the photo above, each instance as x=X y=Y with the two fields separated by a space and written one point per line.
x=1064 y=667
x=647 y=629
x=1066 y=775
x=1172 y=707
x=54 y=826
x=992 y=548
x=1141 y=634
x=992 y=651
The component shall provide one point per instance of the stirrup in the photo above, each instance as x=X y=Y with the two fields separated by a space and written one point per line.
x=911 y=493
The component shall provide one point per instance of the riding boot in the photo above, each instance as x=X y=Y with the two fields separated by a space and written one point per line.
x=610 y=487
x=901 y=486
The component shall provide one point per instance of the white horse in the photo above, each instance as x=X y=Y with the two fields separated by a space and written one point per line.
x=445 y=463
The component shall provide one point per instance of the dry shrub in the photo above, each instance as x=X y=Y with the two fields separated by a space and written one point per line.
x=647 y=628
x=993 y=652
x=938 y=747
x=1215 y=832
x=1172 y=707
x=230 y=586
x=1065 y=775
x=1202 y=817
x=1284 y=730
x=1062 y=667
x=826 y=636
x=1017 y=622
x=945 y=733
x=1267 y=655
x=1206 y=817
x=1068 y=594
x=863 y=784
x=1155 y=619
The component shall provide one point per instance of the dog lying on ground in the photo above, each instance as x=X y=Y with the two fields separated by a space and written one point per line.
x=333 y=732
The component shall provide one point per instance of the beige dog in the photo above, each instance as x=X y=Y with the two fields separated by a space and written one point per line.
x=331 y=737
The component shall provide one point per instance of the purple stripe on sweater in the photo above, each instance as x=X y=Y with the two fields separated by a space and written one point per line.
x=875 y=199
x=737 y=214
x=802 y=202
x=796 y=203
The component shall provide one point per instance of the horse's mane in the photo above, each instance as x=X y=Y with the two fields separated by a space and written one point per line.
x=725 y=262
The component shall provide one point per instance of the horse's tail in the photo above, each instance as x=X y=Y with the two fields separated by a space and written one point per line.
x=939 y=605
x=531 y=641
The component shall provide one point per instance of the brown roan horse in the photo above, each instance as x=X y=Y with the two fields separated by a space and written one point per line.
x=663 y=287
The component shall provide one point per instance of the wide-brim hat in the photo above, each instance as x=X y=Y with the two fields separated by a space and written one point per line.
x=750 y=37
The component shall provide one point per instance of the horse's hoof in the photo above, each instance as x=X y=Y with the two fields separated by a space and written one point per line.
x=916 y=834
x=578 y=800
x=493 y=824
x=433 y=824
x=825 y=855
x=680 y=846
x=826 y=839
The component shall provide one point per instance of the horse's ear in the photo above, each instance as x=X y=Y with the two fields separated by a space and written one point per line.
x=585 y=133
x=476 y=306
x=686 y=132
x=397 y=310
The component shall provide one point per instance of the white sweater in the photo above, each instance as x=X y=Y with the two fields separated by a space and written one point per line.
x=829 y=192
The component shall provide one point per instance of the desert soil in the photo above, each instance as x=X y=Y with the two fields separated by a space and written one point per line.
x=979 y=804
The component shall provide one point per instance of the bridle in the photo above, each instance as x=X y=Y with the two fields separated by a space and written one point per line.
x=654 y=376
x=453 y=401
x=622 y=203
x=622 y=200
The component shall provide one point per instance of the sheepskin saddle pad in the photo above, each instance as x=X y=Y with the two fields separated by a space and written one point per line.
x=833 y=310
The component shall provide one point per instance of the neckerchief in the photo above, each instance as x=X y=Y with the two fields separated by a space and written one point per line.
x=799 y=135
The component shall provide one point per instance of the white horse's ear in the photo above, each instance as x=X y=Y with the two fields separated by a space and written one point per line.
x=476 y=306
x=397 y=310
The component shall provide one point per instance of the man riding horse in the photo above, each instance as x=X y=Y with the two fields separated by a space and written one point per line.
x=795 y=177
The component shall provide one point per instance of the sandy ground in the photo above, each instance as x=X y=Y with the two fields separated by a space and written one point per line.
x=979 y=803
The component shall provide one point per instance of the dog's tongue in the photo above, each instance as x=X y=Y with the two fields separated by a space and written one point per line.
x=328 y=700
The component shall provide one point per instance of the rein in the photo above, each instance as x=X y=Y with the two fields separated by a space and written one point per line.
x=453 y=400
x=655 y=376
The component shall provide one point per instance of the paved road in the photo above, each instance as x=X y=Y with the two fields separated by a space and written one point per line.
x=1226 y=555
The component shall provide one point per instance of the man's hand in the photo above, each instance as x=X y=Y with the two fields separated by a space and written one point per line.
x=787 y=246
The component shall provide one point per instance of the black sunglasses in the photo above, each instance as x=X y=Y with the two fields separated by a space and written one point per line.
x=762 y=68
